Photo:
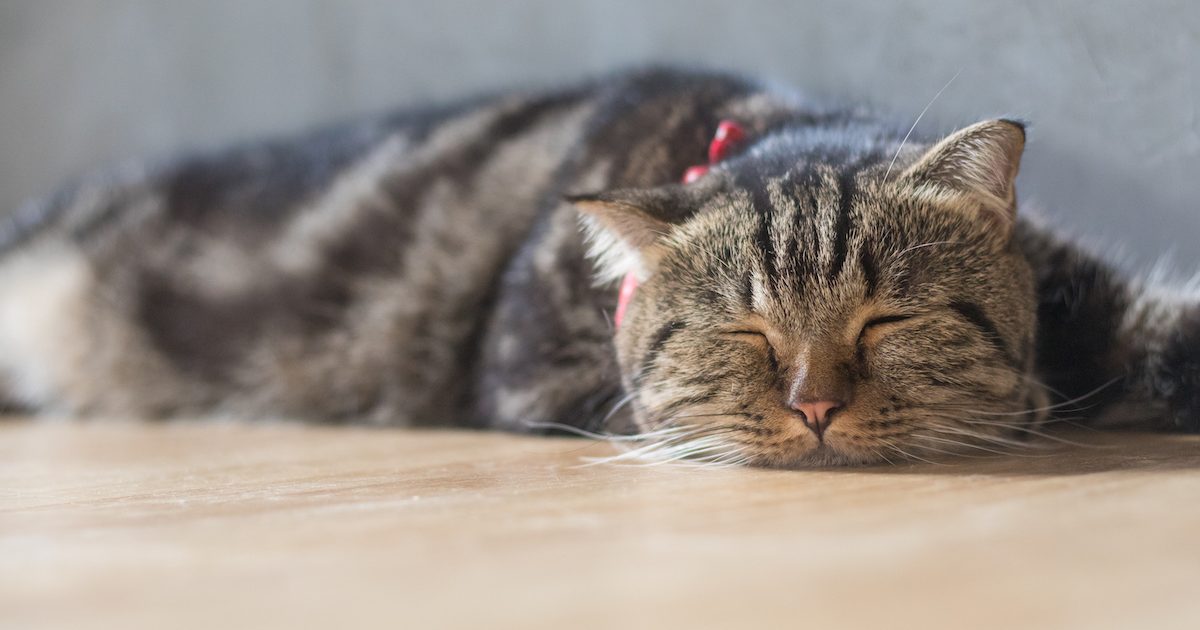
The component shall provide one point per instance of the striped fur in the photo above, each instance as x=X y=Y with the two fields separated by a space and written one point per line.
x=431 y=268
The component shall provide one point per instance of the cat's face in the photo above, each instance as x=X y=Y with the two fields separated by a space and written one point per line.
x=830 y=316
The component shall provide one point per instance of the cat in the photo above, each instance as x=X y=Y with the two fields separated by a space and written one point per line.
x=827 y=291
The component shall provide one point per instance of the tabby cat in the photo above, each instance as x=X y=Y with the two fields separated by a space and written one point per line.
x=826 y=293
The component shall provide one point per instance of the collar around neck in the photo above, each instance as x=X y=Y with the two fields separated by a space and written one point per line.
x=728 y=135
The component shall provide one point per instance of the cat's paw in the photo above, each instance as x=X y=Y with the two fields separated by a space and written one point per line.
x=1177 y=379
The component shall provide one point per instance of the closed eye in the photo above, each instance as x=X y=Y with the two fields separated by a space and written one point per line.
x=878 y=325
x=760 y=339
x=753 y=333
x=887 y=319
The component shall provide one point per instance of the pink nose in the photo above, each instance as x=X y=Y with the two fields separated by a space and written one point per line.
x=817 y=415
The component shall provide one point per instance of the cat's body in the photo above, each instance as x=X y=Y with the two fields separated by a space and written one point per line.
x=427 y=268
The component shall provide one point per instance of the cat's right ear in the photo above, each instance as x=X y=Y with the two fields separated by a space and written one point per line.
x=975 y=170
x=625 y=227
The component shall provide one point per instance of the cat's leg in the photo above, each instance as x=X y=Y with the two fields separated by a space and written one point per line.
x=43 y=292
x=547 y=358
x=1161 y=332
x=1112 y=348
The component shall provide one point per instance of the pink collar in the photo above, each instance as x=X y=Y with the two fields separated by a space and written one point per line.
x=729 y=134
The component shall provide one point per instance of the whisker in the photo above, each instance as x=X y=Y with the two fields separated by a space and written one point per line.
x=954 y=443
x=998 y=440
x=923 y=245
x=1041 y=384
x=1057 y=405
x=698 y=450
x=993 y=451
x=685 y=442
x=901 y=451
x=1028 y=430
x=917 y=122
x=1067 y=420
x=711 y=415
x=617 y=407
x=608 y=437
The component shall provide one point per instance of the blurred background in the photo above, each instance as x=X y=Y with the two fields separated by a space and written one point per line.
x=1110 y=87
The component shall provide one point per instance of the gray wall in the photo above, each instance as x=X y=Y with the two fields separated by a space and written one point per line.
x=1111 y=87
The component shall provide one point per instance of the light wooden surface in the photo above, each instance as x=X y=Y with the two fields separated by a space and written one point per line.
x=219 y=526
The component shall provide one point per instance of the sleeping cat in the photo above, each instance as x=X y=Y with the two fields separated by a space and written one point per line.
x=825 y=292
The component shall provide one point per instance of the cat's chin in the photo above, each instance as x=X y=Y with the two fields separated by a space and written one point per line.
x=824 y=455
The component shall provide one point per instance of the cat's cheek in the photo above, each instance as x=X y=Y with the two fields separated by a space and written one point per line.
x=885 y=364
x=890 y=386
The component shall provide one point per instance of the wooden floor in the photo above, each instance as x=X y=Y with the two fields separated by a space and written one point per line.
x=220 y=526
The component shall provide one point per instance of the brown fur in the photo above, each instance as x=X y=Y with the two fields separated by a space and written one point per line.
x=431 y=267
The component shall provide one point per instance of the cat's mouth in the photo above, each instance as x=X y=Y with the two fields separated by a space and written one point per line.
x=783 y=447
x=876 y=428
x=820 y=455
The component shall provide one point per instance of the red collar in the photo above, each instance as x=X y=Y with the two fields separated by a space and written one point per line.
x=729 y=134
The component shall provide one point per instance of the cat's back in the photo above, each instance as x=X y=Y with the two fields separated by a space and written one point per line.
x=345 y=273
x=298 y=275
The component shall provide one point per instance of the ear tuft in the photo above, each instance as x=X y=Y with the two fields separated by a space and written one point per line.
x=625 y=226
x=630 y=216
x=980 y=161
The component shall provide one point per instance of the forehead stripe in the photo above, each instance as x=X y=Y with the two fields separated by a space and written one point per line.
x=762 y=205
x=660 y=338
x=842 y=231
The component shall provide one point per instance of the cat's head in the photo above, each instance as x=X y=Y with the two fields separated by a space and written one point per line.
x=825 y=305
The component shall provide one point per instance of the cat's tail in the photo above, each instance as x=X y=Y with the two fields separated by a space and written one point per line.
x=1125 y=352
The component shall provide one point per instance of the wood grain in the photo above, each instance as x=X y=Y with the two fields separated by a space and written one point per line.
x=127 y=525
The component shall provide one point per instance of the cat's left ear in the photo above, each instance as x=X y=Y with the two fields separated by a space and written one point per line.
x=977 y=166
x=625 y=227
